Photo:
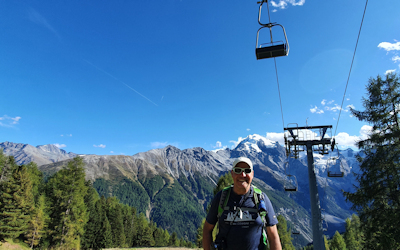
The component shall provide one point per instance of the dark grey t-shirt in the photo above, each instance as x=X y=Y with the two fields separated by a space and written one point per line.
x=242 y=230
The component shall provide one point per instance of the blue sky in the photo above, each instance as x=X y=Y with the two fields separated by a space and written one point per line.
x=122 y=77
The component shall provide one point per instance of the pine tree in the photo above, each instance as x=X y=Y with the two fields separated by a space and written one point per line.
x=104 y=236
x=326 y=242
x=284 y=234
x=199 y=237
x=224 y=181
x=129 y=225
x=166 y=238
x=337 y=242
x=377 y=194
x=173 y=240
x=37 y=224
x=145 y=234
x=35 y=203
x=353 y=235
x=16 y=200
x=182 y=242
x=159 y=237
x=93 y=226
x=107 y=239
x=66 y=190
x=114 y=215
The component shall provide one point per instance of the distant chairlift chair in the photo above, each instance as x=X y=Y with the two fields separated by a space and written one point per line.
x=337 y=173
x=290 y=181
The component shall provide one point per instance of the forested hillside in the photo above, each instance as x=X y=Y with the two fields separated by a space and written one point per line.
x=170 y=203
x=67 y=212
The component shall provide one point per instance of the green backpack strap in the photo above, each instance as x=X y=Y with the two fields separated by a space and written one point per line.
x=224 y=199
x=257 y=198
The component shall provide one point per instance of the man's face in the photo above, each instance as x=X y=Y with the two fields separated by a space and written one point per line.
x=242 y=182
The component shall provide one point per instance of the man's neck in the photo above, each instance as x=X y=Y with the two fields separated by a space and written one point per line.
x=241 y=191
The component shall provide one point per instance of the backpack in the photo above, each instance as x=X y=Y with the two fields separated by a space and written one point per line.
x=257 y=199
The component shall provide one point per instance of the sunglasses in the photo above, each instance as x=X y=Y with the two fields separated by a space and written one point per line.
x=241 y=170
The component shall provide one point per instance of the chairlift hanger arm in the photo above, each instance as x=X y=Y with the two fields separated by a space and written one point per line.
x=309 y=127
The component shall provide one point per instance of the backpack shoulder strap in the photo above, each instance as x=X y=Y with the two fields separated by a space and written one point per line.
x=257 y=199
x=224 y=199
x=257 y=196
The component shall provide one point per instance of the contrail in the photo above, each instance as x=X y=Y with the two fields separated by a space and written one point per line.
x=105 y=72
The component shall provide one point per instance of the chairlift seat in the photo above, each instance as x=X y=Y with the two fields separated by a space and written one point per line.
x=291 y=189
x=271 y=51
x=340 y=174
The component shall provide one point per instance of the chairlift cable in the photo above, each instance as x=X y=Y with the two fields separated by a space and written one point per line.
x=276 y=70
x=279 y=92
x=351 y=66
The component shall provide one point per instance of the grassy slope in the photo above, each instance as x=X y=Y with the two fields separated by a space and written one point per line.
x=9 y=244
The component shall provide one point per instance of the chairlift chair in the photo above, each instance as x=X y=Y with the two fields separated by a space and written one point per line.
x=290 y=180
x=295 y=230
x=335 y=174
x=274 y=48
x=291 y=184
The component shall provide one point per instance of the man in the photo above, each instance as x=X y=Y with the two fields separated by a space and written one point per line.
x=240 y=225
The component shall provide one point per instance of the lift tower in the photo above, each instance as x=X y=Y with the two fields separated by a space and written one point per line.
x=313 y=139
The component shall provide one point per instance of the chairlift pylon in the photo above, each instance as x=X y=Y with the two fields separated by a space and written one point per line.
x=274 y=48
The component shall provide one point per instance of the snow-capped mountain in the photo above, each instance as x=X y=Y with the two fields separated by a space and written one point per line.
x=256 y=143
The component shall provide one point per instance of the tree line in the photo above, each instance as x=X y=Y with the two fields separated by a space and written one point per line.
x=66 y=212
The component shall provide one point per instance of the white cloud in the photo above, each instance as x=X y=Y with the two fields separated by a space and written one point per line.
x=344 y=140
x=389 y=46
x=390 y=71
x=159 y=144
x=324 y=102
x=99 y=146
x=6 y=121
x=283 y=3
x=276 y=137
x=350 y=106
x=248 y=129
x=396 y=58
x=59 y=145
x=218 y=145
x=297 y=3
x=112 y=152
x=69 y=135
x=235 y=143
x=316 y=110
x=365 y=131
x=334 y=108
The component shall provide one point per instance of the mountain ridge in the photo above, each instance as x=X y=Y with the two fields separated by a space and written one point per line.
x=194 y=171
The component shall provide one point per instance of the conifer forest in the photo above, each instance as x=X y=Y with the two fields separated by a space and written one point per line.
x=66 y=212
